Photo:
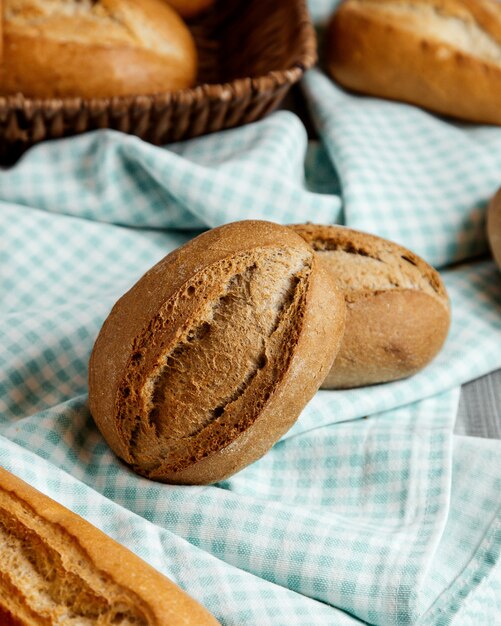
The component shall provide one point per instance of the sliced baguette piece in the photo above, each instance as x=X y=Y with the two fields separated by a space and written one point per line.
x=95 y=48
x=398 y=311
x=494 y=227
x=212 y=355
x=56 y=568
x=444 y=55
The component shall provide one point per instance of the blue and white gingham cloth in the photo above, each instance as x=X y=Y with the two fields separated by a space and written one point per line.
x=389 y=520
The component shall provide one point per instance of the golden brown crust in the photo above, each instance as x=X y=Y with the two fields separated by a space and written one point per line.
x=397 y=306
x=494 y=227
x=389 y=335
x=241 y=326
x=102 y=49
x=442 y=55
x=106 y=574
x=484 y=13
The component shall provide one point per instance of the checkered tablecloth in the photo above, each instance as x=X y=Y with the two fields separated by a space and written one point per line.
x=369 y=510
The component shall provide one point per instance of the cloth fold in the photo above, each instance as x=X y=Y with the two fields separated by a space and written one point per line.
x=407 y=175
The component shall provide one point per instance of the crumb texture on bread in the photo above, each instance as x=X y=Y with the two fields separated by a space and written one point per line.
x=208 y=382
x=48 y=578
x=56 y=569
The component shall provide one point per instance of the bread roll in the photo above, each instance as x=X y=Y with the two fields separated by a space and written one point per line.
x=190 y=8
x=95 y=48
x=56 y=568
x=213 y=354
x=444 y=55
x=398 y=311
x=494 y=227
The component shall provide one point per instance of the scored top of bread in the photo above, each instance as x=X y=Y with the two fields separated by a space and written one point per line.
x=365 y=262
x=89 y=22
x=56 y=568
x=211 y=356
x=95 y=48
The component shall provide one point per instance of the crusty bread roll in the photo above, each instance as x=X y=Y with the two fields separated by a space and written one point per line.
x=441 y=54
x=57 y=569
x=212 y=355
x=95 y=48
x=494 y=227
x=190 y=8
x=398 y=311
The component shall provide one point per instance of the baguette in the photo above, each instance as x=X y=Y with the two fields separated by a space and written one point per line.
x=57 y=569
x=94 y=48
x=494 y=227
x=398 y=312
x=444 y=55
x=212 y=355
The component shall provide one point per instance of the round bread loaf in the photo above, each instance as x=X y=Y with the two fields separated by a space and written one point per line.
x=213 y=354
x=57 y=569
x=95 y=48
x=494 y=227
x=398 y=312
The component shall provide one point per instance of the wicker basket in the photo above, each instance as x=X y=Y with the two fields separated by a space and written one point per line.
x=250 y=53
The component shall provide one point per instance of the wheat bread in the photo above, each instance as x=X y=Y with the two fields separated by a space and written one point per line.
x=213 y=354
x=398 y=311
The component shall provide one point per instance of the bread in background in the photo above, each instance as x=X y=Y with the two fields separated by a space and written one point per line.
x=444 y=55
x=93 y=49
x=397 y=309
x=56 y=568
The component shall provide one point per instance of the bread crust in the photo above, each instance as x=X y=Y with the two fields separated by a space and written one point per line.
x=444 y=55
x=398 y=312
x=267 y=398
x=494 y=227
x=116 y=576
x=7 y=619
x=112 y=48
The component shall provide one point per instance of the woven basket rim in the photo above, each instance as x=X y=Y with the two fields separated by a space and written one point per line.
x=307 y=57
